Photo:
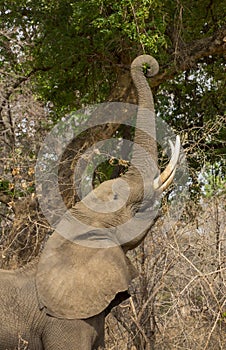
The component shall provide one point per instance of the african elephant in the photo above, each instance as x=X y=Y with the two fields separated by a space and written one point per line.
x=60 y=301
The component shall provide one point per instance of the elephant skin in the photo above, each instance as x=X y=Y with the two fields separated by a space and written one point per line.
x=25 y=326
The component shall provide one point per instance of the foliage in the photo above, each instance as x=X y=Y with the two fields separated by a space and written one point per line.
x=73 y=52
x=194 y=104
x=213 y=180
x=74 y=48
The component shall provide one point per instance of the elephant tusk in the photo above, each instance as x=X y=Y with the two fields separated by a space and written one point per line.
x=168 y=182
x=166 y=177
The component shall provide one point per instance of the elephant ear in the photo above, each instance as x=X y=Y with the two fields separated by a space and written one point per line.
x=77 y=282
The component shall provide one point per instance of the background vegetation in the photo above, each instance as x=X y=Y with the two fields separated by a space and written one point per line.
x=58 y=56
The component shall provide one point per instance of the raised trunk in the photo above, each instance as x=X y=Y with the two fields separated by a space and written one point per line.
x=145 y=132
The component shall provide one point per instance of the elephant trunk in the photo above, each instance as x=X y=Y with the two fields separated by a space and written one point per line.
x=145 y=133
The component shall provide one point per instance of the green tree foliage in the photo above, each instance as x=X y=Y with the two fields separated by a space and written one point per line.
x=73 y=52
x=77 y=45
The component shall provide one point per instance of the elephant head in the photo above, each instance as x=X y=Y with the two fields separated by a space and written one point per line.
x=76 y=279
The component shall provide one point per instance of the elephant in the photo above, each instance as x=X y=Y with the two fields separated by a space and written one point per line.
x=60 y=300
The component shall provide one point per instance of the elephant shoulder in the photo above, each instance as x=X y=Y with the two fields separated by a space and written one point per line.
x=18 y=283
x=18 y=300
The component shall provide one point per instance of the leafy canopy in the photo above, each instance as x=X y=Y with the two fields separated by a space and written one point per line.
x=73 y=52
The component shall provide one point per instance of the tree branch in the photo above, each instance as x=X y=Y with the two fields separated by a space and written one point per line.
x=193 y=53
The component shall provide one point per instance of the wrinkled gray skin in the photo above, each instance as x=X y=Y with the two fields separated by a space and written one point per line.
x=61 y=300
x=22 y=322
